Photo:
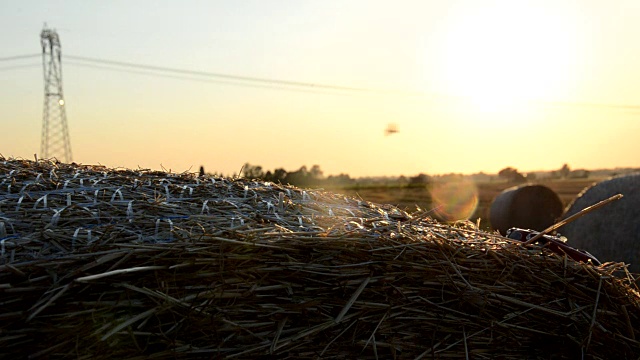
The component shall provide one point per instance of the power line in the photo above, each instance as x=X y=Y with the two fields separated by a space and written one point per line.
x=593 y=105
x=258 y=82
x=218 y=75
x=18 y=57
x=297 y=84
x=11 y=67
x=203 y=80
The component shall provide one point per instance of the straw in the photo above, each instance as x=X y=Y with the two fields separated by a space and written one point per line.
x=130 y=264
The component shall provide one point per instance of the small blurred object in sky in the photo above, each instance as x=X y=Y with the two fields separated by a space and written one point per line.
x=391 y=129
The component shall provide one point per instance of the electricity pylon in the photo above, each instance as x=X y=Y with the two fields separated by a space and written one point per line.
x=55 y=133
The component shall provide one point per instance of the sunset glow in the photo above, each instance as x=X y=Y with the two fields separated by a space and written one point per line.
x=290 y=83
x=500 y=55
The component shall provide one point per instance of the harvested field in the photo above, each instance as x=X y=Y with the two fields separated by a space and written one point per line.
x=106 y=263
x=408 y=197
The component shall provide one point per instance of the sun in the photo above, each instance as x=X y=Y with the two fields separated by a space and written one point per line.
x=502 y=55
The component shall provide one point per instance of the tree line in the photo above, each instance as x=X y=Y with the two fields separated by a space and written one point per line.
x=314 y=176
x=513 y=175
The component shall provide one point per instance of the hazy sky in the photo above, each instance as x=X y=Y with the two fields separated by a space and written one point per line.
x=472 y=85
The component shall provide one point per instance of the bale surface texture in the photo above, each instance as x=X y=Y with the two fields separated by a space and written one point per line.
x=613 y=232
x=101 y=263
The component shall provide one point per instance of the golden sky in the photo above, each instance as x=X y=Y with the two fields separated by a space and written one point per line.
x=472 y=85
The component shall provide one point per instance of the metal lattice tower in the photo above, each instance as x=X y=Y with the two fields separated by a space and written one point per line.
x=55 y=133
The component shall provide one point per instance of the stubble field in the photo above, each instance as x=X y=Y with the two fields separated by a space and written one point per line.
x=410 y=197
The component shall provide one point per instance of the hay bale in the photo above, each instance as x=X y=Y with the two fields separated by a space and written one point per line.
x=613 y=232
x=103 y=263
x=533 y=207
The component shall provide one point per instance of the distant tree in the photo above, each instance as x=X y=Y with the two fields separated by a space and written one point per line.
x=315 y=172
x=564 y=171
x=299 y=177
x=252 y=172
x=420 y=179
x=339 y=180
x=511 y=175
x=279 y=175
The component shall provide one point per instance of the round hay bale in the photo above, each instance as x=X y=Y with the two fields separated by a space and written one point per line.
x=533 y=207
x=613 y=232
x=99 y=263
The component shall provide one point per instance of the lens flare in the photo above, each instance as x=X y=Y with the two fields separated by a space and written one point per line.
x=454 y=200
